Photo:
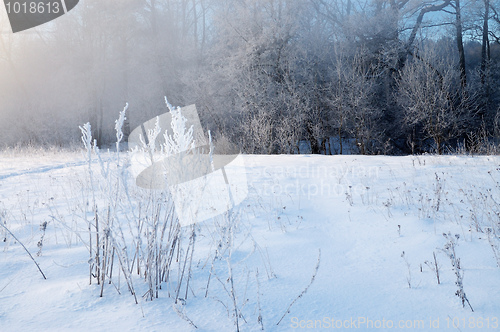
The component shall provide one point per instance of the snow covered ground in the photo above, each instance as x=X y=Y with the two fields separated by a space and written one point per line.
x=354 y=215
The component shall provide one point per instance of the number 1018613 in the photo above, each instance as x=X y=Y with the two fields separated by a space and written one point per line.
x=472 y=323
x=53 y=7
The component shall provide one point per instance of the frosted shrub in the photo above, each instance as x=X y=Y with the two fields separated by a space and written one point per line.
x=449 y=250
x=151 y=230
x=182 y=138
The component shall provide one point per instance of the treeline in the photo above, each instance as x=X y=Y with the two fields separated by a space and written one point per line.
x=273 y=76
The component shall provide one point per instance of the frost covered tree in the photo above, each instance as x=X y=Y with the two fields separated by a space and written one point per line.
x=431 y=96
x=263 y=73
x=353 y=115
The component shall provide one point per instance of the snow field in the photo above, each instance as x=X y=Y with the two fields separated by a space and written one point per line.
x=360 y=212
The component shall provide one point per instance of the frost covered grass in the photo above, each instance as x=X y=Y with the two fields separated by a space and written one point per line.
x=257 y=266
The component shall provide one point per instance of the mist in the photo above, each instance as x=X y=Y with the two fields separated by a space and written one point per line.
x=269 y=75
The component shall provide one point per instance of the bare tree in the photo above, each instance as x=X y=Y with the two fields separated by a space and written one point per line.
x=431 y=100
x=352 y=92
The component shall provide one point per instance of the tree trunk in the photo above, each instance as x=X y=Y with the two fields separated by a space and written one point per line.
x=485 y=49
x=460 y=45
x=340 y=140
x=195 y=25
x=413 y=35
x=314 y=141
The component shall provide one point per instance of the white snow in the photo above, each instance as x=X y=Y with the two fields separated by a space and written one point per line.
x=360 y=212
